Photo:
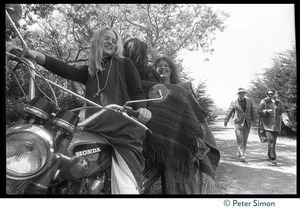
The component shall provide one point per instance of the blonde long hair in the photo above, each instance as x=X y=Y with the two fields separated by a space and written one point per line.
x=96 y=50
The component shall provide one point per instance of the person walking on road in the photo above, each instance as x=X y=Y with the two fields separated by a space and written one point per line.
x=243 y=114
x=269 y=111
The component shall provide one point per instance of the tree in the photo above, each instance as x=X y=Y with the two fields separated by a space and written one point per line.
x=64 y=31
x=167 y=28
x=205 y=101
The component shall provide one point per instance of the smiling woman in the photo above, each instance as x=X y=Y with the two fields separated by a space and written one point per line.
x=109 y=79
x=166 y=69
x=109 y=43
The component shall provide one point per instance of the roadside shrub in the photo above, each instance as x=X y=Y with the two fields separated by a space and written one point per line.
x=13 y=110
x=14 y=107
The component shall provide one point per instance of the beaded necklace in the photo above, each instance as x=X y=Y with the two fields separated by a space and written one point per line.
x=98 y=85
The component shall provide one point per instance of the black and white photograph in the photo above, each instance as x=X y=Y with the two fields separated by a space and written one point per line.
x=143 y=101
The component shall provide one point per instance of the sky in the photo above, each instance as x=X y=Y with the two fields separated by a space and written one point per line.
x=254 y=34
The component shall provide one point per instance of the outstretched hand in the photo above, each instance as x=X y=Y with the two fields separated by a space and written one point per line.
x=10 y=46
x=31 y=54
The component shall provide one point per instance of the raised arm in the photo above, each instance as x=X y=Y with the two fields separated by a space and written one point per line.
x=54 y=65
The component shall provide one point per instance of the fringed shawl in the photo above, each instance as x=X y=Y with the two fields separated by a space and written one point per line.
x=178 y=128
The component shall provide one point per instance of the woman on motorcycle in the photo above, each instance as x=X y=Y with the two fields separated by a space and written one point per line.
x=109 y=79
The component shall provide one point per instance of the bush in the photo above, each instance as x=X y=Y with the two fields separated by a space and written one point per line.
x=13 y=110
x=67 y=101
x=14 y=107
x=212 y=116
x=282 y=76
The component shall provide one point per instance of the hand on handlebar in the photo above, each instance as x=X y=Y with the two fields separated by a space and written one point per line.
x=17 y=51
x=31 y=54
x=144 y=115
x=10 y=46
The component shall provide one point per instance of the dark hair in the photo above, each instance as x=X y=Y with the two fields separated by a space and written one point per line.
x=136 y=50
x=174 y=78
x=271 y=90
x=274 y=91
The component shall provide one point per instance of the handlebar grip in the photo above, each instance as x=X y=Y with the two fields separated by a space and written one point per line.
x=16 y=52
x=131 y=112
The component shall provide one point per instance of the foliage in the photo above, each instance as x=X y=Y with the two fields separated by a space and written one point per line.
x=205 y=101
x=13 y=110
x=15 y=98
x=282 y=76
x=167 y=28
x=64 y=31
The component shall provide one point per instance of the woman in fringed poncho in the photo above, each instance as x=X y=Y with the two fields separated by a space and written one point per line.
x=181 y=140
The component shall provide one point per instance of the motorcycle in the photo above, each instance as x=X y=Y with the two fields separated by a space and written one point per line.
x=49 y=152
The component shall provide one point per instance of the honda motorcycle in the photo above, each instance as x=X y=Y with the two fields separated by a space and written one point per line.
x=48 y=150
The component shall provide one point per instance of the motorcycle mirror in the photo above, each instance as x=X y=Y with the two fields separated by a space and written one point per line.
x=15 y=11
x=159 y=91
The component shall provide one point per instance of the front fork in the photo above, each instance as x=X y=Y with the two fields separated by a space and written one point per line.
x=41 y=184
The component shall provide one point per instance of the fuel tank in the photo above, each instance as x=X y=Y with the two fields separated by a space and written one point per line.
x=93 y=147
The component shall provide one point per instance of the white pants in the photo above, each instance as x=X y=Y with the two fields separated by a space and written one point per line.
x=122 y=179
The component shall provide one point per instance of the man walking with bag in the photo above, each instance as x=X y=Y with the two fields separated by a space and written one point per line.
x=270 y=114
x=243 y=114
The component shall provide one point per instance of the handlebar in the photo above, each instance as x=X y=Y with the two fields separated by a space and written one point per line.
x=17 y=53
x=126 y=111
x=131 y=112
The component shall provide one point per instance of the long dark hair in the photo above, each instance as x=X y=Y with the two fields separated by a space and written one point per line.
x=136 y=50
x=174 y=78
x=274 y=91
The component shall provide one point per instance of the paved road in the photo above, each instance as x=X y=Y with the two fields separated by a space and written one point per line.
x=256 y=175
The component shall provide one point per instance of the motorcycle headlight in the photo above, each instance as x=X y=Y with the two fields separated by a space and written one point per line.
x=28 y=150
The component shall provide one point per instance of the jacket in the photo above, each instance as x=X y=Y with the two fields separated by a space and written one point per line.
x=123 y=83
x=241 y=116
x=268 y=121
